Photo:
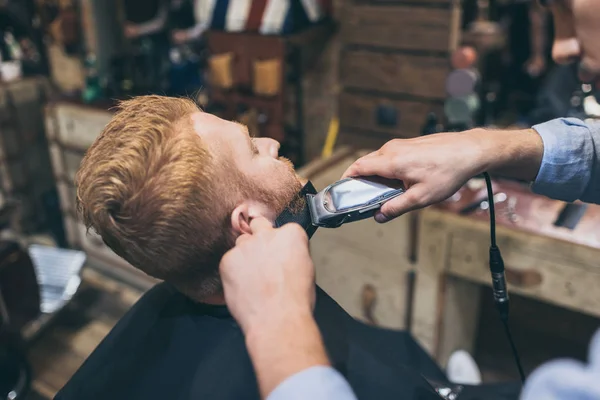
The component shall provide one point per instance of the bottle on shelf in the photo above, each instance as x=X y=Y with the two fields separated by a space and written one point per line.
x=93 y=90
x=431 y=125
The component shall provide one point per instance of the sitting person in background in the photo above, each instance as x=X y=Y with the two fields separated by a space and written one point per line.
x=170 y=188
x=144 y=17
x=189 y=20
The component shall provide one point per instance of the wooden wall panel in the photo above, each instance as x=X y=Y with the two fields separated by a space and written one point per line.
x=398 y=27
x=360 y=139
x=363 y=111
x=416 y=75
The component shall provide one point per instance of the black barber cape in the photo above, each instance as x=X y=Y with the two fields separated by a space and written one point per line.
x=168 y=347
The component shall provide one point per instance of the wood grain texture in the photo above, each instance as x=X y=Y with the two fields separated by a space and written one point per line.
x=566 y=280
x=78 y=126
x=361 y=139
x=533 y=214
x=462 y=300
x=404 y=27
x=416 y=75
x=359 y=111
x=453 y=258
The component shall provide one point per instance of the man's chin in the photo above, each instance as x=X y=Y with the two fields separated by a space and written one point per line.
x=290 y=166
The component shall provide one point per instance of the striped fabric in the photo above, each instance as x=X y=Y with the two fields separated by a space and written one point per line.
x=268 y=17
x=255 y=15
x=219 y=15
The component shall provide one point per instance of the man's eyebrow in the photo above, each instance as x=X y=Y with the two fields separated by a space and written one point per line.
x=248 y=136
x=244 y=128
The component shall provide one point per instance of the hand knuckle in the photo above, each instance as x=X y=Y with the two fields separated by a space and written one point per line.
x=397 y=161
x=420 y=201
x=394 y=143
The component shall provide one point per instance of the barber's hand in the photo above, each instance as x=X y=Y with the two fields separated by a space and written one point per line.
x=432 y=169
x=180 y=36
x=535 y=66
x=268 y=277
x=131 y=30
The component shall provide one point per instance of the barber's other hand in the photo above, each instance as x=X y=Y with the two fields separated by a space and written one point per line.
x=535 y=66
x=131 y=30
x=268 y=277
x=180 y=36
x=432 y=168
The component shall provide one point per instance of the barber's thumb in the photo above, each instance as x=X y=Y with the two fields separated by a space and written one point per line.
x=259 y=224
x=370 y=165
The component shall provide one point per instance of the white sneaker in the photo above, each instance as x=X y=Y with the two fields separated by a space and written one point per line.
x=463 y=369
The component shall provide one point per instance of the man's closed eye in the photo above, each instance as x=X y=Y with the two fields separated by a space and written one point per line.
x=253 y=147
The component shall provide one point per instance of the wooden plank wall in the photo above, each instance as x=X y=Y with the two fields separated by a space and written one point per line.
x=394 y=62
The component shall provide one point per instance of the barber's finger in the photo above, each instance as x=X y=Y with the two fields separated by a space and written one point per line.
x=380 y=165
x=297 y=232
x=414 y=198
x=242 y=239
x=349 y=171
x=260 y=224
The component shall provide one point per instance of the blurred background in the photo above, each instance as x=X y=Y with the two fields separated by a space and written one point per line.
x=330 y=80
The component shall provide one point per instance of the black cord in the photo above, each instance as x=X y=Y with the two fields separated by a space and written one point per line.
x=498 y=278
x=490 y=193
x=514 y=349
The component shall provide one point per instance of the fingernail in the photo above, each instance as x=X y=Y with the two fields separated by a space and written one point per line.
x=379 y=217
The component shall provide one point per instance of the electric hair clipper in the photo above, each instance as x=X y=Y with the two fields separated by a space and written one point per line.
x=349 y=200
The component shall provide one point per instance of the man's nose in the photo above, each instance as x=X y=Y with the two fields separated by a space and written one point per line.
x=566 y=50
x=268 y=146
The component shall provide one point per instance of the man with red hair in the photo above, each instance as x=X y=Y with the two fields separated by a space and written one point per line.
x=171 y=189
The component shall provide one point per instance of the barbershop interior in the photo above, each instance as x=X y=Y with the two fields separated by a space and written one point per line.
x=331 y=81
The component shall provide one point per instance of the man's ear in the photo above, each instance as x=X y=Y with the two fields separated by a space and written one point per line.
x=245 y=212
x=240 y=219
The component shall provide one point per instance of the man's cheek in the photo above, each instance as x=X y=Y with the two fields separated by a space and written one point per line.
x=303 y=181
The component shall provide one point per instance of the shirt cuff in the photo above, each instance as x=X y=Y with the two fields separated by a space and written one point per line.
x=315 y=383
x=566 y=165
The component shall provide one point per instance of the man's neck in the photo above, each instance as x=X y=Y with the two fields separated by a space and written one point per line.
x=215 y=300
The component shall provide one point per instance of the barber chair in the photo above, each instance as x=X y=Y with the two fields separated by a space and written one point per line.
x=35 y=285
x=15 y=372
x=19 y=302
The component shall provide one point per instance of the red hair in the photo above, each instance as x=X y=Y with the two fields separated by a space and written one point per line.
x=147 y=187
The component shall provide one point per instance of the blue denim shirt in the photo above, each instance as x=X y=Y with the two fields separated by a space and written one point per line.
x=570 y=170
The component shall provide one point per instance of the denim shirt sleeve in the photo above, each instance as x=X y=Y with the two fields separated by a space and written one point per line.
x=570 y=167
x=315 y=383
